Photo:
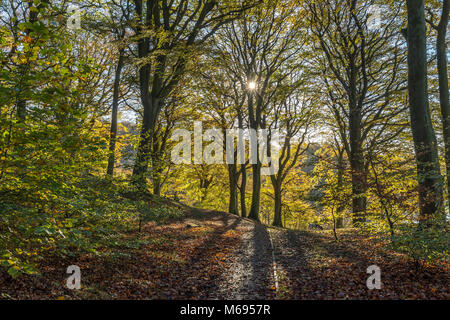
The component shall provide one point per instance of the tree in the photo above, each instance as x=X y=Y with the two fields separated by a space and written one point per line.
x=174 y=110
x=425 y=143
x=114 y=25
x=166 y=33
x=361 y=70
x=264 y=54
x=223 y=101
x=441 y=53
x=114 y=114
x=60 y=79
x=293 y=115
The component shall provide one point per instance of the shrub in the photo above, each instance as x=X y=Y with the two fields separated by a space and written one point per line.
x=422 y=245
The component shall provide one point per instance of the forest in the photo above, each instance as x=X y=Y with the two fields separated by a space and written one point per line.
x=224 y=149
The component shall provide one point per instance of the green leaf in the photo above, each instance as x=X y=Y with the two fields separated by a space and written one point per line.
x=14 y=272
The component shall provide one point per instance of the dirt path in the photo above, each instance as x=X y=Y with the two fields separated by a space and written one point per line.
x=250 y=272
x=214 y=255
x=311 y=265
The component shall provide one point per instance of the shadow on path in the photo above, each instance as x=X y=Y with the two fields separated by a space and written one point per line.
x=249 y=275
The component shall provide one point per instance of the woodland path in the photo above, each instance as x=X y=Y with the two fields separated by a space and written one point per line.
x=250 y=273
x=275 y=263
x=213 y=255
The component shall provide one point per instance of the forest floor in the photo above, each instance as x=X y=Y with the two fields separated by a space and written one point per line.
x=214 y=255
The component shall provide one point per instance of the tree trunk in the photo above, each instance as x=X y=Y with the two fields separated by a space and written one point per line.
x=21 y=110
x=277 y=214
x=425 y=144
x=256 y=194
x=144 y=149
x=242 y=190
x=334 y=224
x=358 y=190
x=233 y=200
x=151 y=103
x=356 y=158
x=115 y=109
x=441 y=50
x=157 y=169
x=243 y=172
x=340 y=184
x=254 y=120
x=157 y=185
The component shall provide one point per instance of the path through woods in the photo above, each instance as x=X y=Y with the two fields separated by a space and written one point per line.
x=214 y=255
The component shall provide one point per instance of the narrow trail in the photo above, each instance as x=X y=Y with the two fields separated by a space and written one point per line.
x=207 y=254
x=275 y=263
x=250 y=268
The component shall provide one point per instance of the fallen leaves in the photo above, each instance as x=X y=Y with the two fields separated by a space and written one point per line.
x=316 y=267
x=188 y=259
x=175 y=262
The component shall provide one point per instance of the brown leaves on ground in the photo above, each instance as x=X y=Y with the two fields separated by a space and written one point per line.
x=199 y=257
x=180 y=260
x=313 y=266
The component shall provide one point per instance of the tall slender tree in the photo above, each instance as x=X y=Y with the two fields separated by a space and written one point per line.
x=441 y=55
x=263 y=45
x=425 y=143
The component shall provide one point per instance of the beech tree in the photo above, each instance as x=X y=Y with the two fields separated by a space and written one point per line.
x=260 y=52
x=441 y=56
x=293 y=117
x=166 y=33
x=362 y=72
x=425 y=143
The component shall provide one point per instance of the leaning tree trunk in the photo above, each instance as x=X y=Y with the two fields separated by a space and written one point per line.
x=115 y=109
x=425 y=143
x=441 y=49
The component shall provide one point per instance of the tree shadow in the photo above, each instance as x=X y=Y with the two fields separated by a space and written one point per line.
x=300 y=280
x=202 y=262
x=319 y=268
x=260 y=279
